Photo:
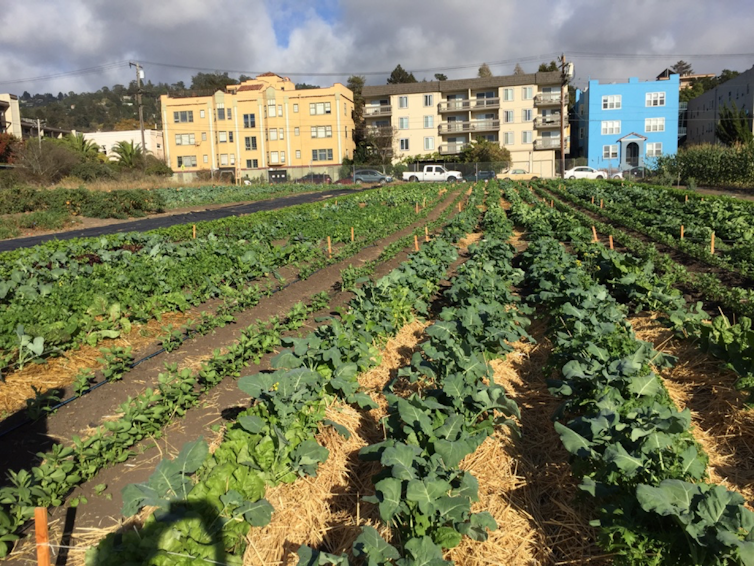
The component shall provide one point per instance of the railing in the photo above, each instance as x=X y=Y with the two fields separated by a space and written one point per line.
x=548 y=99
x=452 y=148
x=470 y=126
x=550 y=143
x=382 y=110
x=681 y=131
x=380 y=131
x=552 y=121
x=461 y=105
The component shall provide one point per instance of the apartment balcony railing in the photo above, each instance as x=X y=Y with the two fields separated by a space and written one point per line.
x=550 y=143
x=466 y=105
x=452 y=148
x=549 y=99
x=379 y=131
x=681 y=131
x=382 y=110
x=543 y=122
x=469 y=126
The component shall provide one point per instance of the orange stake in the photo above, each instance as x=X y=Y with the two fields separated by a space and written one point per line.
x=424 y=202
x=426 y=234
x=329 y=247
x=417 y=208
x=610 y=239
x=459 y=207
x=712 y=244
x=686 y=199
x=551 y=203
x=416 y=243
x=352 y=233
x=193 y=231
x=594 y=234
x=592 y=199
x=681 y=231
x=601 y=205
x=43 y=540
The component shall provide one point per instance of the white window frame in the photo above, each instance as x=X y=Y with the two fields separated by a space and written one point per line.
x=509 y=138
x=429 y=100
x=271 y=111
x=296 y=131
x=509 y=114
x=272 y=134
x=274 y=157
x=612 y=102
x=527 y=136
x=321 y=131
x=527 y=114
x=429 y=121
x=403 y=123
x=654 y=124
x=403 y=102
x=223 y=160
x=404 y=145
x=610 y=127
x=222 y=137
x=655 y=99
x=429 y=144
x=295 y=108
x=298 y=154
x=527 y=93
x=654 y=149
x=508 y=95
x=610 y=151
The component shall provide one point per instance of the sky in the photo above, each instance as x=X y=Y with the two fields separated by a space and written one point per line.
x=81 y=45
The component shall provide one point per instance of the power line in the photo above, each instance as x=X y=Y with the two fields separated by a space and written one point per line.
x=87 y=70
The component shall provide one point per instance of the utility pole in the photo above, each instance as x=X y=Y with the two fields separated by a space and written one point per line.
x=139 y=76
x=565 y=74
x=39 y=134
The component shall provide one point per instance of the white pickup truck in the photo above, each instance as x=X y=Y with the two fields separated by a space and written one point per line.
x=436 y=173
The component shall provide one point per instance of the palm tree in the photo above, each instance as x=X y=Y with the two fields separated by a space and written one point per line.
x=129 y=155
x=88 y=149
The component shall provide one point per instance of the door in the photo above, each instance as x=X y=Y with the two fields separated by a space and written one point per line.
x=632 y=154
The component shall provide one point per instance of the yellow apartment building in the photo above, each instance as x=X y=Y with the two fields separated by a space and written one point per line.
x=261 y=127
x=520 y=112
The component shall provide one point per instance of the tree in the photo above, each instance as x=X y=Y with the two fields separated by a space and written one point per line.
x=356 y=84
x=400 y=76
x=484 y=71
x=211 y=81
x=518 y=70
x=682 y=68
x=8 y=146
x=379 y=143
x=441 y=77
x=483 y=151
x=305 y=86
x=47 y=162
x=547 y=68
x=129 y=155
x=734 y=126
x=88 y=150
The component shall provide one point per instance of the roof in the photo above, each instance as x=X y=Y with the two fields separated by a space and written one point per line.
x=633 y=135
x=549 y=78
x=249 y=87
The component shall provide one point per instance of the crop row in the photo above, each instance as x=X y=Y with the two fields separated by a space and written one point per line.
x=731 y=342
x=63 y=294
x=273 y=441
x=629 y=445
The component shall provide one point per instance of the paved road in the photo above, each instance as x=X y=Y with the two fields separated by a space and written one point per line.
x=175 y=219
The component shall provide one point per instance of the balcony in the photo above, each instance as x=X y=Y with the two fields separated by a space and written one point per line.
x=382 y=110
x=470 y=126
x=550 y=143
x=452 y=148
x=543 y=122
x=549 y=99
x=379 y=131
x=454 y=106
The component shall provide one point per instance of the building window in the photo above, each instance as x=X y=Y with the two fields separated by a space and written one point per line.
x=404 y=144
x=654 y=124
x=508 y=94
x=527 y=92
x=403 y=102
x=222 y=137
x=321 y=131
x=281 y=133
x=429 y=144
x=272 y=134
x=429 y=121
x=184 y=139
x=509 y=138
x=221 y=113
x=227 y=113
x=322 y=155
x=201 y=113
x=204 y=136
x=249 y=121
x=230 y=137
x=271 y=110
x=654 y=149
x=250 y=143
x=295 y=108
x=403 y=123
x=655 y=99
x=298 y=154
x=319 y=108
x=610 y=127
x=183 y=116
x=232 y=158
x=508 y=116
x=296 y=131
x=609 y=152
x=187 y=161
x=252 y=163
x=428 y=100
x=581 y=133
x=223 y=160
x=274 y=157
x=612 y=102
x=205 y=158
x=526 y=114
x=527 y=137
x=282 y=157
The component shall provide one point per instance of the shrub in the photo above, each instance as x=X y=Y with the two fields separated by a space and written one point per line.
x=94 y=171
x=157 y=168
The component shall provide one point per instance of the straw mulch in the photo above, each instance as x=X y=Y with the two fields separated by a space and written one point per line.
x=721 y=423
x=466 y=241
x=60 y=372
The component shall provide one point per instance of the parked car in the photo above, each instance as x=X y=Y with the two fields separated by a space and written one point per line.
x=584 y=172
x=371 y=176
x=517 y=175
x=633 y=173
x=479 y=176
x=316 y=178
x=433 y=173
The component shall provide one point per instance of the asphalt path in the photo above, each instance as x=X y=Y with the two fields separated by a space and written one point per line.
x=175 y=219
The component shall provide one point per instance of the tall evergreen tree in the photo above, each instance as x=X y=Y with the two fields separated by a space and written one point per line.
x=484 y=71
x=734 y=126
x=400 y=75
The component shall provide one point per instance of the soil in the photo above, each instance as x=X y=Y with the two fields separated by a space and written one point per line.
x=215 y=408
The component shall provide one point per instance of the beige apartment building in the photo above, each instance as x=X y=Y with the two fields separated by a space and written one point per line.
x=520 y=112
x=261 y=127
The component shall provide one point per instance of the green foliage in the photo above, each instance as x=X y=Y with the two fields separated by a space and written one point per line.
x=483 y=151
x=711 y=165
x=400 y=75
x=129 y=155
x=734 y=126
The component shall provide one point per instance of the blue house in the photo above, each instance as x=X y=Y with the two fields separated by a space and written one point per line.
x=625 y=125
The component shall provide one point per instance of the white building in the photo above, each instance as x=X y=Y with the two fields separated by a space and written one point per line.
x=107 y=140
x=10 y=115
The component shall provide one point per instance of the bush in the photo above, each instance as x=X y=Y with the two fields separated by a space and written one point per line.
x=94 y=171
x=714 y=165
x=157 y=168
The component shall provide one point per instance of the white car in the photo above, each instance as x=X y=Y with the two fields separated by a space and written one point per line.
x=585 y=173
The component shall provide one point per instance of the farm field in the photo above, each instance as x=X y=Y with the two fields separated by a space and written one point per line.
x=405 y=415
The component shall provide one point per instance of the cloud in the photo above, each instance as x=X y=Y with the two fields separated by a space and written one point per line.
x=45 y=37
